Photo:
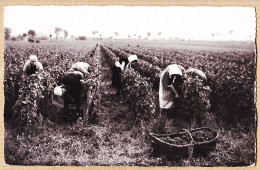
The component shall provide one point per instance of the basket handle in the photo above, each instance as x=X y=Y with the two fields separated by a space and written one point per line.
x=192 y=141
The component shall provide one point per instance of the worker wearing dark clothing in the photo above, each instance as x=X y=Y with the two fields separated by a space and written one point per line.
x=71 y=81
x=117 y=69
x=116 y=77
x=72 y=89
x=72 y=94
x=124 y=62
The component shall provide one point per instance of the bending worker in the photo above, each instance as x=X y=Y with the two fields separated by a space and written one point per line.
x=171 y=81
x=72 y=85
x=32 y=66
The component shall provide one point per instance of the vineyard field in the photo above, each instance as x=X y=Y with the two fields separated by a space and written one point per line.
x=116 y=130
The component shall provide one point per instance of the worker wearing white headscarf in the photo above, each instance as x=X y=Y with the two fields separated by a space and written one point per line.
x=32 y=65
x=170 y=81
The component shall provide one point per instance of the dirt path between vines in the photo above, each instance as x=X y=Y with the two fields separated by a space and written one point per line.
x=120 y=139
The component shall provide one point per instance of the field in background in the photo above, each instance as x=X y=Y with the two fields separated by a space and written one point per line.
x=189 y=45
x=116 y=139
x=192 y=45
x=55 y=43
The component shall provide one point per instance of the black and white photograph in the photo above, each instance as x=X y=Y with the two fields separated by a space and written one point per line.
x=130 y=86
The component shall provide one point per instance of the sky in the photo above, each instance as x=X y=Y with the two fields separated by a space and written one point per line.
x=195 y=23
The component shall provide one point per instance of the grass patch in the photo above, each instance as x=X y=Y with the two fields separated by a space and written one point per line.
x=105 y=145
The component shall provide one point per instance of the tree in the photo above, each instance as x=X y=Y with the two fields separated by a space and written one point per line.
x=231 y=32
x=116 y=33
x=7 y=32
x=20 y=37
x=57 y=31
x=159 y=34
x=24 y=34
x=212 y=35
x=65 y=33
x=50 y=35
x=31 y=33
x=94 y=32
x=82 y=38
x=149 y=34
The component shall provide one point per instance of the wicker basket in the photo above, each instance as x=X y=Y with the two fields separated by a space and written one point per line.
x=188 y=142
x=202 y=147
x=172 y=149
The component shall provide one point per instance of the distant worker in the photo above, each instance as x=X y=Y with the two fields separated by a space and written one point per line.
x=116 y=76
x=130 y=60
x=32 y=66
x=126 y=62
x=117 y=69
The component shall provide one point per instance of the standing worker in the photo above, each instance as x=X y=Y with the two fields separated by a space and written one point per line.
x=117 y=69
x=116 y=77
x=32 y=66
